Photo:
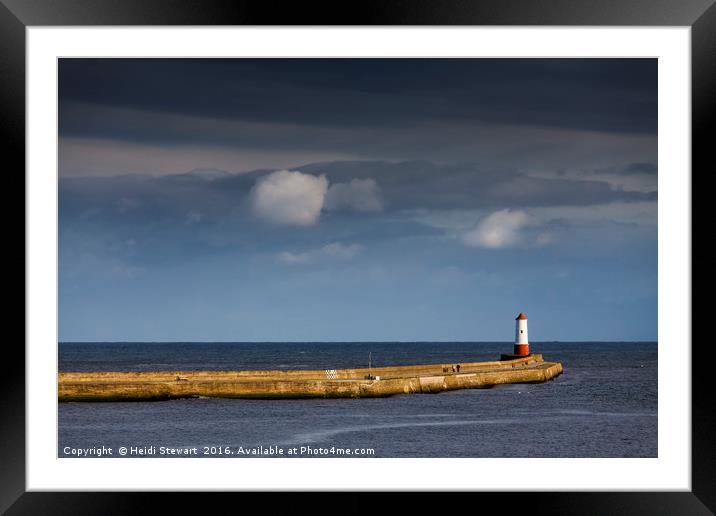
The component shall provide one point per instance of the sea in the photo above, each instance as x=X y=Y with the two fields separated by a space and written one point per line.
x=603 y=405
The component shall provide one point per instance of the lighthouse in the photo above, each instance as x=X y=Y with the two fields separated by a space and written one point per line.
x=522 y=345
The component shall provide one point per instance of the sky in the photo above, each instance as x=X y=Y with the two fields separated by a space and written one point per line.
x=357 y=199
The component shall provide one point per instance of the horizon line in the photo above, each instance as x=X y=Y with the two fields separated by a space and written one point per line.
x=345 y=341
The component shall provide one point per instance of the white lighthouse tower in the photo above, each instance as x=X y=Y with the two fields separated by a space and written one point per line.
x=522 y=345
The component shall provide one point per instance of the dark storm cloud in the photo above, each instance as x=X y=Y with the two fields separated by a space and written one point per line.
x=612 y=95
x=404 y=186
x=422 y=184
x=131 y=222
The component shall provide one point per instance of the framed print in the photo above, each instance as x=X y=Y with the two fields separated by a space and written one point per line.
x=301 y=252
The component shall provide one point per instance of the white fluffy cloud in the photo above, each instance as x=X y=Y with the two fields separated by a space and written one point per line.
x=359 y=195
x=497 y=230
x=286 y=197
x=334 y=251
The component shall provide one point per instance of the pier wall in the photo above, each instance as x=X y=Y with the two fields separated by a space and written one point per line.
x=340 y=374
x=347 y=383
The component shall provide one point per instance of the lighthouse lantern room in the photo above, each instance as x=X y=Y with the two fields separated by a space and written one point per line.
x=522 y=346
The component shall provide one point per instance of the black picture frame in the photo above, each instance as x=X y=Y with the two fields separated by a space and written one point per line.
x=16 y=15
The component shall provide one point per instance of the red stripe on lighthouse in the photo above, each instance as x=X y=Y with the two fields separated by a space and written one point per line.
x=522 y=349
